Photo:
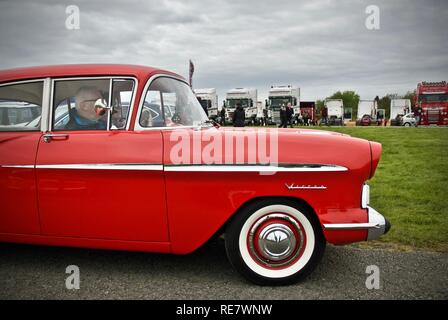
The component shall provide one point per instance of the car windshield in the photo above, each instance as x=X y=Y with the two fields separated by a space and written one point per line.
x=231 y=103
x=278 y=101
x=433 y=98
x=170 y=102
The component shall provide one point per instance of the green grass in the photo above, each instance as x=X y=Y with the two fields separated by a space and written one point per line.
x=410 y=186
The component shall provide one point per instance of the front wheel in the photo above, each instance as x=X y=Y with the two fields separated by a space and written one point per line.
x=274 y=242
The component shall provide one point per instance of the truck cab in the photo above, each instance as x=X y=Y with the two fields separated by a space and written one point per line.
x=282 y=94
x=398 y=108
x=432 y=100
x=209 y=100
x=247 y=97
x=335 y=110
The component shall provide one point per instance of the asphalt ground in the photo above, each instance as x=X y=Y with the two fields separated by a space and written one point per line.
x=38 y=272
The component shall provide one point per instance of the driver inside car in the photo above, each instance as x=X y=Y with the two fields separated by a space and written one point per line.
x=89 y=111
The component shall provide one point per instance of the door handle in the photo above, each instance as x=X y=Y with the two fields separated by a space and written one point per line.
x=50 y=136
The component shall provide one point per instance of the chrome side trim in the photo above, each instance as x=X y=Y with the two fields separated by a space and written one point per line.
x=18 y=166
x=351 y=226
x=105 y=166
x=377 y=225
x=254 y=168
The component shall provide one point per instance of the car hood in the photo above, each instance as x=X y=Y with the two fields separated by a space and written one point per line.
x=261 y=146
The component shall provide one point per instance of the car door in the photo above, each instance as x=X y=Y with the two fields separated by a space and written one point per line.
x=95 y=182
x=20 y=110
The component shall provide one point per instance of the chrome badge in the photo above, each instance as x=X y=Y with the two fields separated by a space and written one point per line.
x=304 y=186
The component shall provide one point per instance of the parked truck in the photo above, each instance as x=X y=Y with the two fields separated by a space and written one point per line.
x=282 y=94
x=209 y=100
x=247 y=98
x=335 y=112
x=369 y=114
x=398 y=108
x=308 y=108
x=432 y=99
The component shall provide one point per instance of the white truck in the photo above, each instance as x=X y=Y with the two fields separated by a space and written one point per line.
x=247 y=97
x=335 y=111
x=209 y=100
x=398 y=108
x=366 y=107
x=282 y=94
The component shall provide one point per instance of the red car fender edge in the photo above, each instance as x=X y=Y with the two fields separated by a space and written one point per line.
x=375 y=151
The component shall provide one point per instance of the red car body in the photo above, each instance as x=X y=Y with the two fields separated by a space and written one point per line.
x=64 y=192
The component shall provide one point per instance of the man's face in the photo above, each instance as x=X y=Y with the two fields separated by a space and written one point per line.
x=289 y=104
x=87 y=105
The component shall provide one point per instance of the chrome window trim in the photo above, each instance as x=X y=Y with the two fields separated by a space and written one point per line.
x=137 y=125
x=253 y=168
x=44 y=106
x=111 y=78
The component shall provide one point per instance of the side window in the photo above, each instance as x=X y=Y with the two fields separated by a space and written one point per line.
x=170 y=102
x=152 y=115
x=122 y=91
x=80 y=104
x=21 y=106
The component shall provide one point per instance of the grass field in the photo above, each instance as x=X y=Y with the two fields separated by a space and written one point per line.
x=410 y=186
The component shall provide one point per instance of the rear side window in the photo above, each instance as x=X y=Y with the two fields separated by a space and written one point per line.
x=21 y=106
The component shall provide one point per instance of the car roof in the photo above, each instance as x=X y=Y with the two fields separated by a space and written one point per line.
x=72 y=70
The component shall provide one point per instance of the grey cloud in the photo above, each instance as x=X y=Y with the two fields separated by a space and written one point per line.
x=322 y=46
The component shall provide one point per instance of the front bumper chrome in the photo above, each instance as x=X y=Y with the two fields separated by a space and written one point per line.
x=376 y=227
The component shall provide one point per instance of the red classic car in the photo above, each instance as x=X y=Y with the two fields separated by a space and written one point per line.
x=123 y=157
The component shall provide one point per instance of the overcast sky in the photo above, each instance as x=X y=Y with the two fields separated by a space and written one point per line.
x=320 y=46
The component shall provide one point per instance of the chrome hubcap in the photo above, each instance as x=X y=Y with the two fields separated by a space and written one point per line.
x=275 y=240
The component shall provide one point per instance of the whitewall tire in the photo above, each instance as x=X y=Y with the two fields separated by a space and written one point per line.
x=274 y=241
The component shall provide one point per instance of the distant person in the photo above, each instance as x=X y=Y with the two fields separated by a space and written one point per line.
x=283 y=117
x=223 y=116
x=306 y=119
x=239 y=116
x=289 y=113
x=300 y=119
x=417 y=114
x=324 y=115
x=265 y=117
